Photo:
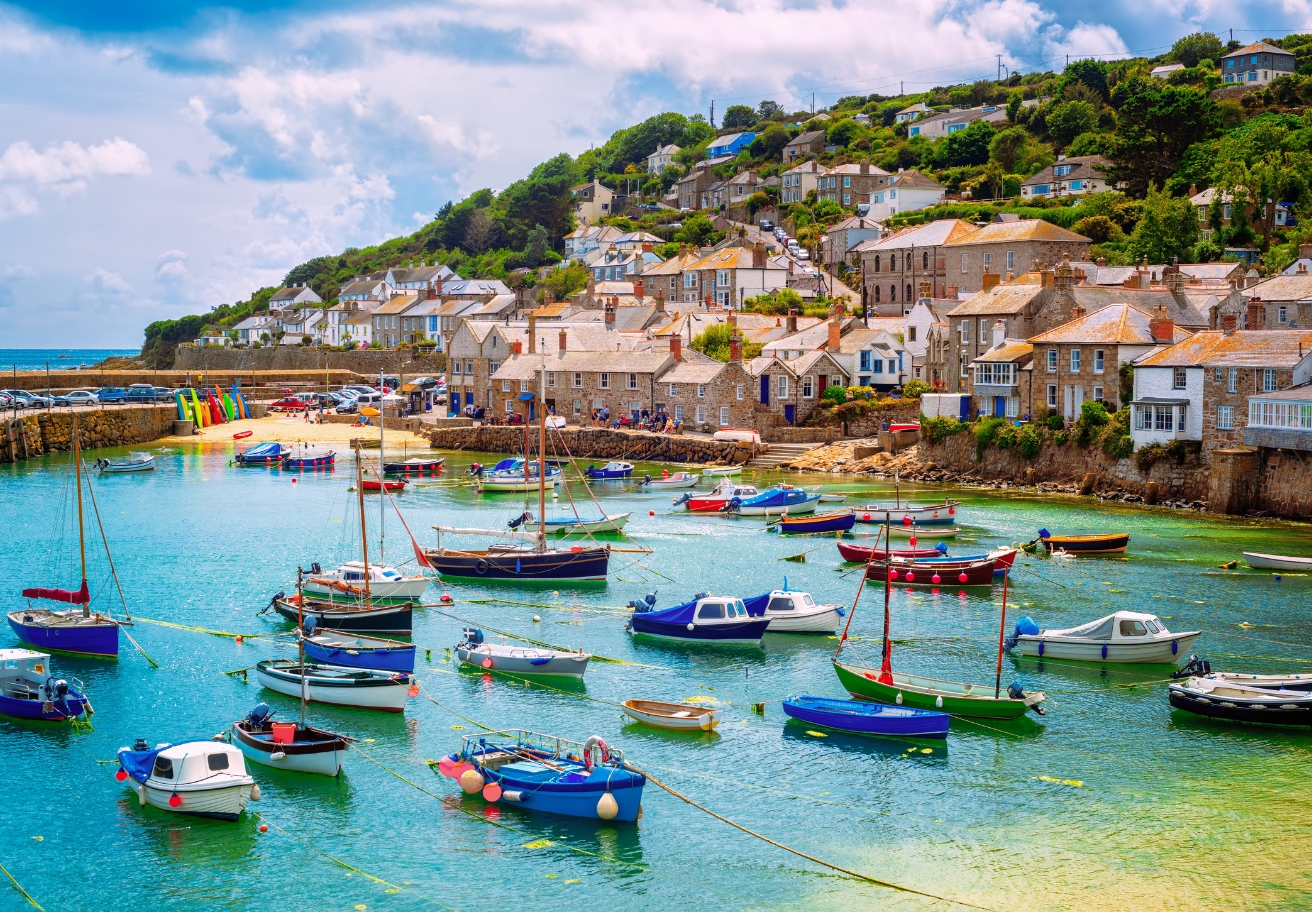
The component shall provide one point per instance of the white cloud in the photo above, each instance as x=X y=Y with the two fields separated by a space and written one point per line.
x=105 y=281
x=171 y=266
x=63 y=169
x=1084 y=40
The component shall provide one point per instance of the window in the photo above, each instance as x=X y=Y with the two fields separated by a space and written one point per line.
x=1097 y=394
x=1268 y=380
x=865 y=361
x=509 y=405
x=738 y=392
x=724 y=416
x=1225 y=418
x=781 y=386
x=924 y=260
x=988 y=258
x=701 y=414
x=1284 y=316
x=678 y=412
x=1052 y=360
x=877 y=366
x=911 y=334
x=633 y=381
x=1217 y=374
x=603 y=381
x=876 y=262
x=892 y=293
x=876 y=294
x=847 y=198
x=1011 y=260
x=1075 y=360
x=963 y=263
x=578 y=380
x=965 y=332
x=163 y=768
x=989 y=374
x=1181 y=378
x=505 y=386
x=1052 y=395
x=456 y=368
x=709 y=612
x=674 y=389
x=1232 y=380
x=578 y=407
x=469 y=368
x=690 y=280
x=722 y=278
x=523 y=386
x=1099 y=362
x=701 y=390
x=1162 y=415
x=551 y=378
x=847 y=181
x=808 y=387
x=909 y=293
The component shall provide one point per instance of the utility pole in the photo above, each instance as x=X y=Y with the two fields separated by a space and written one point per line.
x=712 y=114
x=902 y=87
x=813 y=103
x=999 y=56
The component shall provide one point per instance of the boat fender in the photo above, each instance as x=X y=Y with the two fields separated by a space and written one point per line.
x=480 y=566
x=141 y=794
x=899 y=698
x=690 y=626
x=471 y=782
x=515 y=796
x=492 y=792
x=1104 y=650
x=607 y=806
x=938 y=702
x=1175 y=647
x=255 y=792
x=1041 y=645
x=278 y=755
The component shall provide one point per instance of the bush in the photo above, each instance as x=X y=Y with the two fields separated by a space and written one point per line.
x=1118 y=446
x=1149 y=455
x=1006 y=437
x=1093 y=417
x=1029 y=441
x=914 y=389
x=835 y=393
x=938 y=429
x=1056 y=422
x=986 y=432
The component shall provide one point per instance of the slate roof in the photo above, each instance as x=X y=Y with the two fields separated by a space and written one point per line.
x=934 y=234
x=1023 y=230
x=695 y=368
x=1084 y=167
x=1003 y=299
x=914 y=180
x=1011 y=350
x=1282 y=288
x=1245 y=348
x=1115 y=324
x=526 y=366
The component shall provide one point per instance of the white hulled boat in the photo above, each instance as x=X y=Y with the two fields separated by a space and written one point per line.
x=198 y=778
x=385 y=583
x=1122 y=637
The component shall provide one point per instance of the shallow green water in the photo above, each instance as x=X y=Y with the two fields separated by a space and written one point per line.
x=1150 y=809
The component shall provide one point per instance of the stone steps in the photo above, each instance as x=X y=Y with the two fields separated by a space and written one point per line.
x=782 y=452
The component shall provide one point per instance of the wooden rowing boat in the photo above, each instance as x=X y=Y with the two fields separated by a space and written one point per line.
x=1105 y=543
x=676 y=716
x=1259 y=561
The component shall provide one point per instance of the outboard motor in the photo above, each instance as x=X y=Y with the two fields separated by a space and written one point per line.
x=140 y=745
x=476 y=469
x=647 y=604
x=1193 y=667
x=273 y=602
x=519 y=520
x=646 y=479
x=61 y=690
x=1014 y=691
x=315 y=568
x=260 y=715
x=473 y=636
x=680 y=501
x=309 y=625
x=942 y=548
x=1024 y=627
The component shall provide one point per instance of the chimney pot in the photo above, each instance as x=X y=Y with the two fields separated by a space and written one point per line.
x=1228 y=323
x=835 y=332
x=1256 y=313
x=660 y=300
x=1162 y=327
x=638 y=290
x=1077 y=312
x=792 y=320
x=676 y=347
x=562 y=340
x=735 y=347
x=1305 y=251
x=532 y=333
x=517 y=347
x=999 y=333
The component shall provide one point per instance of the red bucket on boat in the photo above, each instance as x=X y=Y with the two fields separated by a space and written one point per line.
x=283 y=732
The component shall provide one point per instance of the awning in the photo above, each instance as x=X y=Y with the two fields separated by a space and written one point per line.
x=525 y=397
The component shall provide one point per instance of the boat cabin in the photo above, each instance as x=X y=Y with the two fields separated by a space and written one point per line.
x=1121 y=627
x=22 y=673
x=720 y=609
x=197 y=761
x=783 y=602
x=353 y=571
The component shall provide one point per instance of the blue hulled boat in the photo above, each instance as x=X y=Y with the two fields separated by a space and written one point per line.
x=29 y=691
x=308 y=457
x=547 y=774
x=348 y=650
x=839 y=521
x=263 y=454
x=706 y=619
x=611 y=470
x=775 y=501
x=864 y=718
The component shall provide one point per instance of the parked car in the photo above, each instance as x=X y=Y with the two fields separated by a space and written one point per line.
x=357 y=388
x=82 y=397
x=59 y=401
x=140 y=392
x=112 y=394
x=802 y=254
x=28 y=399
x=347 y=407
x=163 y=393
x=767 y=225
x=287 y=404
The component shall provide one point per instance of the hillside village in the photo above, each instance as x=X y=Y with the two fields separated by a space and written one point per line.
x=1126 y=233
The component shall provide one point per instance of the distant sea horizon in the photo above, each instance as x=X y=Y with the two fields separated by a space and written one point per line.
x=28 y=359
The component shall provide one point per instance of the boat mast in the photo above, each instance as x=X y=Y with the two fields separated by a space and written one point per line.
x=542 y=457
x=300 y=636
x=364 y=534
x=382 y=511
x=886 y=668
x=1002 y=633
x=81 y=536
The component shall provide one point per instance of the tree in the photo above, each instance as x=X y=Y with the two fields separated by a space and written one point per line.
x=1156 y=127
x=844 y=132
x=1098 y=228
x=697 y=231
x=738 y=117
x=772 y=140
x=1092 y=73
x=768 y=110
x=1014 y=102
x=1192 y=49
x=714 y=343
x=564 y=281
x=1069 y=119
x=481 y=232
x=1168 y=228
x=965 y=147
x=536 y=246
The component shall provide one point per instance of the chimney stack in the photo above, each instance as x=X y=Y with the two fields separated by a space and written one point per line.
x=592 y=287
x=999 y=333
x=1305 y=251
x=792 y=320
x=1162 y=327
x=517 y=347
x=735 y=347
x=646 y=247
x=1101 y=262
x=733 y=319
x=990 y=280
x=660 y=300
x=1256 y=313
x=1077 y=312
x=562 y=341
x=638 y=290
x=865 y=167
x=439 y=285
x=835 y=332
x=1064 y=275
x=925 y=291
x=432 y=293
x=758 y=255
x=1144 y=275
x=1228 y=323
x=676 y=347
x=532 y=333
x=610 y=313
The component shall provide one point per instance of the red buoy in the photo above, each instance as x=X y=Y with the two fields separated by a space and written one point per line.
x=936 y=578
x=911 y=577
x=913 y=541
x=892 y=574
x=121 y=775
x=264 y=828
x=175 y=801
x=961 y=577
x=906 y=520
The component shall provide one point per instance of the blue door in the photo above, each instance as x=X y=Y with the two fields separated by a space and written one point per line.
x=789 y=412
x=999 y=406
x=455 y=403
x=765 y=389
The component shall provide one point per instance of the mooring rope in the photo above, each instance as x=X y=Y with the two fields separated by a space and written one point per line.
x=19 y=887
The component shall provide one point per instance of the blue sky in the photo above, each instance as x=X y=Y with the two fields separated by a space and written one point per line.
x=160 y=158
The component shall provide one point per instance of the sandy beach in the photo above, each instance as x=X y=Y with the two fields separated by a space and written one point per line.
x=287 y=429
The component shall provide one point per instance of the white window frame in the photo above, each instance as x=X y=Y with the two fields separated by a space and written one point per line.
x=523 y=386
x=578 y=407
x=701 y=414
x=1052 y=360
x=1180 y=379
x=603 y=380
x=505 y=386
x=808 y=387
x=701 y=390
x=633 y=381
x=964 y=331
x=1099 y=361
x=509 y=405
x=1268 y=380
x=1075 y=360
x=678 y=411
x=577 y=381
x=673 y=389
x=1052 y=395
x=1225 y=417
x=963 y=263
x=723 y=278
x=1232 y=380
x=724 y=416
x=551 y=379
x=738 y=392
x=1097 y=394
x=1011 y=260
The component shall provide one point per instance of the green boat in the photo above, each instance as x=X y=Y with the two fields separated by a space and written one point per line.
x=972 y=700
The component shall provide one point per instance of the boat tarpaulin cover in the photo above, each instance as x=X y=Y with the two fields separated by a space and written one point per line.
x=80 y=597
x=139 y=764
x=682 y=614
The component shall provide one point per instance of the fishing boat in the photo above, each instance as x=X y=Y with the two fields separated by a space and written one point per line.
x=569 y=525
x=348 y=650
x=906 y=572
x=287 y=745
x=305 y=456
x=1232 y=702
x=547 y=774
x=670 y=481
x=861 y=718
x=775 y=501
x=1259 y=561
x=738 y=435
x=860 y=554
x=1003 y=559
x=516 y=475
x=790 y=611
x=719 y=471
x=519 y=660
x=371 y=486
x=716 y=500
x=941 y=514
x=360 y=687
x=706 y=619
x=28 y=690
x=416 y=465
x=263 y=454
x=838 y=521
x=347 y=583
x=611 y=470
x=74 y=630
x=1108 y=543
x=358 y=616
x=1301 y=682
x=197 y=778
x=1122 y=637
x=137 y=461
x=674 y=716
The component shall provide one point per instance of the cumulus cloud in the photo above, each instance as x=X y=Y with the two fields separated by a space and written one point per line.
x=63 y=169
x=102 y=280
x=171 y=266
x=1084 y=40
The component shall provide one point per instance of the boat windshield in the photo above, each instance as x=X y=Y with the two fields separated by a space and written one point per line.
x=708 y=612
x=1132 y=628
x=1153 y=626
x=740 y=608
x=806 y=599
x=781 y=604
x=163 y=768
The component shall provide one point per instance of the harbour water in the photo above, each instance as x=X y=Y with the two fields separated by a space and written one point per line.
x=30 y=359
x=1111 y=801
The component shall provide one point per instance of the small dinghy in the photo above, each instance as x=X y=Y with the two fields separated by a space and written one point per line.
x=288 y=746
x=1111 y=543
x=348 y=650
x=1259 y=561
x=416 y=465
x=903 y=572
x=672 y=481
x=861 y=718
x=1219 y=699
x=309 y=457
x=1301 y=682
x=706 y=619
x=198 y=778
x=263 y=454
x=519 y=660
x=242 y=435
x=136 y=462
x=838 y=521
x=718 y=471
x=571 y=525
x=738 y=435
x=358 y=616
x=29 y=691
x=373 y=487
x=611 y=470
x=346 y=583
x=859 y=554
x=795 y=612
x=929 y=532
x=547 y=774
x=362 y=688
x=832 y=498
x=674 y=716
x=942 y=514
x=1123 y=637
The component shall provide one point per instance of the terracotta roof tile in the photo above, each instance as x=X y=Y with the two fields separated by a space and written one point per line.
x=1246 y=348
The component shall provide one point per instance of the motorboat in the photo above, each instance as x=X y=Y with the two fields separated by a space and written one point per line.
x=902 y=571
x=859 y=554
x=288 y=746
x=674 y=716
x=673 y=480
x=305 y=456
x=790 y=611
x=137 y=461
x=573 y=525
x=1103 y=543
x=547 y=774
x=738 y=435
x=263 y=454
x=1220 y=699
x=1301 y=682
x=519 y=660
x=29 y=690
x=1123 y=637
x=707 y=619
x=941 y=514
x=516 y=475
x=349 y=650
x=363 y=688
x=775 y=501
x=832 y=498
x=197 y=778
x=359 y=616
x=716 y=500
x=864 y=718
x=416 y=465
x=838 y=521
x=346 y=583
x=611 y=470
x=1259 y=561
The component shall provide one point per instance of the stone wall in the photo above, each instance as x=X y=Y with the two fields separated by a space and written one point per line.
x=52 y=432
x=65 y=380
x=596 y=443
x=294 y=357
x=1284 y=485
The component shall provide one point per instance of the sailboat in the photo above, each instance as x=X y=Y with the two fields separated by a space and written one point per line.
x=74 y=630
x=887 y=686
x=530 y=560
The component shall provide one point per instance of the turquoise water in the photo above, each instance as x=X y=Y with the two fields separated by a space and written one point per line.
x=29 y=359
x=1111 y=801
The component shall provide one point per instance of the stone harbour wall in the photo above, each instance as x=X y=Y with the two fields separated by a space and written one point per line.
x=391 y=361
x=1284 y=483
x=35 y=435
x=596 y=443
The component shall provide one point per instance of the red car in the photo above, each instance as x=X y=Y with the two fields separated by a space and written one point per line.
x=289 y=404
